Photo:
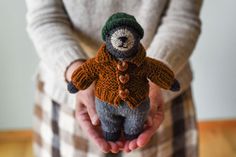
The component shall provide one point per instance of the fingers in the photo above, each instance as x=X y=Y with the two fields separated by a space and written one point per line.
x=120 y=144
x=102 y=144
x=149 y=121
x=114 y=147
x=159 y=118
x=92 y=111
x=133 y=145
x=145 y=137
x=93 y=134
x=88 y=119
x=87 y=98
x=89 y=108
x=150 y=130
x=126 y=147
x=81 y=113
x=130 y=146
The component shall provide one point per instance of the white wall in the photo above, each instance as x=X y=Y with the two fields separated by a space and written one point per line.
x=213 y=62
x=17 y=63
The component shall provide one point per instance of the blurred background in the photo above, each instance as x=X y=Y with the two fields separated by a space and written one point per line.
x=213 y=63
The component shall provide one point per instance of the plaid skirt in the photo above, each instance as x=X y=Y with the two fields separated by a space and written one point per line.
x=58 y=134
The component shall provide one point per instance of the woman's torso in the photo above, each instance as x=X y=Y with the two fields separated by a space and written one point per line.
x=88 y=18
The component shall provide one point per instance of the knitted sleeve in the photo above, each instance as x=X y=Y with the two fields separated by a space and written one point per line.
x=159 y=73
x=85 y=75
x=177 y=34
x=52 y=34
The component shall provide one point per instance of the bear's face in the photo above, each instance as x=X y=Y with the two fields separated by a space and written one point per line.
x=122 y=42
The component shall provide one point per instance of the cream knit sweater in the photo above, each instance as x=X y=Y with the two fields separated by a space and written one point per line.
x=65 y=30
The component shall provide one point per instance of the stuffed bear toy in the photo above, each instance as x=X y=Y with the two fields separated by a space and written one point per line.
x=121 y=72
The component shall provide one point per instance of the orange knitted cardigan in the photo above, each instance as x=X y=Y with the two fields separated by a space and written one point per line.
x=125 y=80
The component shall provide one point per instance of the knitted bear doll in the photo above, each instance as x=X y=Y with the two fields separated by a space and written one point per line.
x=121 y=72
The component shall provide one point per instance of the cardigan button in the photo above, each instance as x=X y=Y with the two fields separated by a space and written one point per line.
x=124 y=78
x=123 y=93
x=122 y=66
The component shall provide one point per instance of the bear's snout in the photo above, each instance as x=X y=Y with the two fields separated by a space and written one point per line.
x=123 y=39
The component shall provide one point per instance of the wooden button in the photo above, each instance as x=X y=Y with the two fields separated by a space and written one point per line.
x=123 y=93
x=122 y=66
x=124 y=78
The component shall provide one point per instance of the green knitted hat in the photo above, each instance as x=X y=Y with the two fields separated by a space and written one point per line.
x=121 y=19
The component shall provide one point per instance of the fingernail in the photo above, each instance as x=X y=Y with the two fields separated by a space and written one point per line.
x=95 y=120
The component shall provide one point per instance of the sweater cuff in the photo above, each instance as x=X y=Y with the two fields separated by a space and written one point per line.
x=67 y=58
x=174 y=58
x=159 y=53
x=83 y=60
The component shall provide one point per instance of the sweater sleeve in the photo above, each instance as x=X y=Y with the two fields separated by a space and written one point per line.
x=85 y=75
x=52 y=34
x=177 y=34
x=159 y=73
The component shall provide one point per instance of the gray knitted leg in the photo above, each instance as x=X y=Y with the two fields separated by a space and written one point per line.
x=135 y=119
x=111 y=123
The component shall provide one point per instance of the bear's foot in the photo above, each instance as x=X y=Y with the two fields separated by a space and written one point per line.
x=111 y=136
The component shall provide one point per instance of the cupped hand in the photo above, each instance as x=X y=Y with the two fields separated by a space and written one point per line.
x=155 y=118
x=87 y=116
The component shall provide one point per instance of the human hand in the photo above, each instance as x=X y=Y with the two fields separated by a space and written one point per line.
x=155 y=118
x=88 y=118
x=68 y=74
x=72 y=67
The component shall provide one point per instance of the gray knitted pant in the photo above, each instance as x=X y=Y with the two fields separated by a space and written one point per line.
x=114 y=120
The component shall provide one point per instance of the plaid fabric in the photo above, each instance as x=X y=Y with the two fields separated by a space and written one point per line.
x=57 y=133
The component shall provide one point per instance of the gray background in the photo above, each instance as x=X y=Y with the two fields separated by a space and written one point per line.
x=213 y=64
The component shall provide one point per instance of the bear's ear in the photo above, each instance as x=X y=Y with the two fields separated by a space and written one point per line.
x=107 y=35
x=138 y=37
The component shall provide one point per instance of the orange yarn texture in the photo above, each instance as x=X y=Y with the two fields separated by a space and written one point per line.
x=125 y=80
